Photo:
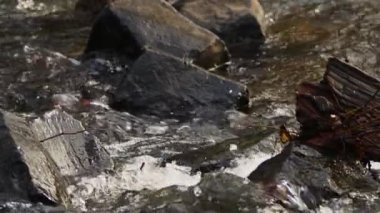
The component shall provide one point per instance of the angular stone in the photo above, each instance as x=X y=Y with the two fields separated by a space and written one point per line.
x=26 y=171
x=163 y=85
x=74 y=150
x=37 y=155
x=232 y=20
x=129 y=26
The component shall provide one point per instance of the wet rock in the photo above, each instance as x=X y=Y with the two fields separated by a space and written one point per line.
x=41 y=80
x=300 y=177
x=129 y=26
x=233 y=21
x=11 y=205
x=26 y=172
x=73 y=150
x=38 y=156
x=91 y=7
x=218 y=156
x=163 y=85
x=354 y=202
x=125 y=135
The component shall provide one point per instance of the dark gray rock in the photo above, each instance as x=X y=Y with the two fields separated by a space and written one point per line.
x=233 y=21
x=300 y=177
x=41 y=80
x=163 y=85
x=129 y=26
x=53 y=80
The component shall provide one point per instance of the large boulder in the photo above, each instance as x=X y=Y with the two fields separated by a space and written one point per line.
x=163 y=85
x=233 y=20
x=129 y=26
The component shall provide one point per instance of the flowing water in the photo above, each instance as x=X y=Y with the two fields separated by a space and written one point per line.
x=301 y=35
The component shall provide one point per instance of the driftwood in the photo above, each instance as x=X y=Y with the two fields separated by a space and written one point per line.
x=351 y=86
x=342 y=112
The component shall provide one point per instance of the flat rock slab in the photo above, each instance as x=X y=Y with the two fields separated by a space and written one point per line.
x=231 y=20
x=129 y=26
x=163 y=85
x=26 y=171
x=73 y=150
x=36 y=156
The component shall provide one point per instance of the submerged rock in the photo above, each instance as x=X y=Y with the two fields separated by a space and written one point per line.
x=210 y=195
x=163 y=85
x=129 y=26
x=219 y=156
x=233 y=21
x=37 y=75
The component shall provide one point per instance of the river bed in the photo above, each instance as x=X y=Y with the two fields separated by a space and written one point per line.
x=301 y=35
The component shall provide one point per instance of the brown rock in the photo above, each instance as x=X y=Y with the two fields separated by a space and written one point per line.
x=129 y=26
x=342 y=113
x=233 y=20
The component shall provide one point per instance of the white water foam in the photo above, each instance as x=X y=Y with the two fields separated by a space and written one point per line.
x=143 y=172
x=251 y=160
x=247 y=164
x=375 y=165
